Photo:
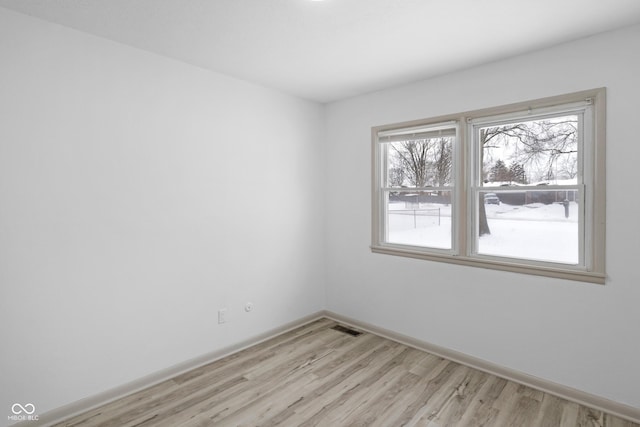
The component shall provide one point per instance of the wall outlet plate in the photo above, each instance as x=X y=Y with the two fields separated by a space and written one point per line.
x=222 y=316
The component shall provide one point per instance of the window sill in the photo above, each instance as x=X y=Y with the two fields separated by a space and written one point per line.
x=514 y=267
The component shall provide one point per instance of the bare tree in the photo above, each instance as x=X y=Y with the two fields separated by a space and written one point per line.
x=413 y=158
x=396 y=176
x=424 y=161
x=443 y=161
x=547 y=147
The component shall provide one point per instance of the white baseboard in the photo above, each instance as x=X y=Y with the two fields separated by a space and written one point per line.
x=65 y=412
x=593 y=401
x=618 y=409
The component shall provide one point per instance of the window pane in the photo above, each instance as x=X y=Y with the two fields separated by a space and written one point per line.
x=419 y=218
x=538 y=151
x=420 y=162
x=538 y=225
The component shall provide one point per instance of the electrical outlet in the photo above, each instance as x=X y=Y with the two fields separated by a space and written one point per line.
x=222 y=316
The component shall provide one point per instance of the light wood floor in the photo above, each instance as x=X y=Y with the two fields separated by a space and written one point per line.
x=318 y=376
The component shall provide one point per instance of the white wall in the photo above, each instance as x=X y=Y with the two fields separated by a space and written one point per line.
x=137 y=196
x=580 y=335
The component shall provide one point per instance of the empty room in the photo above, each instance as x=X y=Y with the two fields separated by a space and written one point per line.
x=319 y=212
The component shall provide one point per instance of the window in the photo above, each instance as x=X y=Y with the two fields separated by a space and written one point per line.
x=517 y=188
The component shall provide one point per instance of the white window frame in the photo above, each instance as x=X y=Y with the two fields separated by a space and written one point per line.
x=427 y=127
x=591 y=267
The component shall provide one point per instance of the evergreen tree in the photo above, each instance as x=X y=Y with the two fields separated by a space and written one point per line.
x=517 y=173
x=500 y=172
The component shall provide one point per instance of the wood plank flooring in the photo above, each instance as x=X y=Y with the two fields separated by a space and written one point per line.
x=317 y=376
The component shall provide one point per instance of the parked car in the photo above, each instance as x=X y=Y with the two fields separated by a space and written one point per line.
x=491 y=199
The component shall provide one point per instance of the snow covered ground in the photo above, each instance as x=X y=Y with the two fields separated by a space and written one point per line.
x=535 y=231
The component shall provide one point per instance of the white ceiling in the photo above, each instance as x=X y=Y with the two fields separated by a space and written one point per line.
x=333 y=49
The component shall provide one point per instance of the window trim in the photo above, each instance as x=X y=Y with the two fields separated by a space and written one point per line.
x=461 y=254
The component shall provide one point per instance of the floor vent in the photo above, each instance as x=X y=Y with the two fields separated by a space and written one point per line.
x=346 y=330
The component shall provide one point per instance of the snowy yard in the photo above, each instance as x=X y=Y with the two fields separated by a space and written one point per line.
x=535 y=231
